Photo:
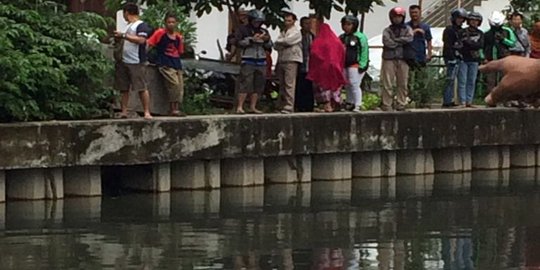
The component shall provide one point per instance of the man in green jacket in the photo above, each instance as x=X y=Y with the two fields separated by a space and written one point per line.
x=356 y=60
x=497 y=43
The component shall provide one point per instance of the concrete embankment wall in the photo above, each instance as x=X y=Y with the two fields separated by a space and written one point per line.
x=49 y=160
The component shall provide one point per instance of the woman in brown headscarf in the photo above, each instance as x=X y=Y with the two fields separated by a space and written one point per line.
x=535 y=41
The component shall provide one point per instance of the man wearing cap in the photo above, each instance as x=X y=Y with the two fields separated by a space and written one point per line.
x=289 y=48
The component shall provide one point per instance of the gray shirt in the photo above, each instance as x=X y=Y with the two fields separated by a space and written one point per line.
x=522 y=44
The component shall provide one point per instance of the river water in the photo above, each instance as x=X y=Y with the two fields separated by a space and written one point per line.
x=480 y=220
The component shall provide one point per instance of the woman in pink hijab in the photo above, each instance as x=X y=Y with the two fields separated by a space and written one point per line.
x=326 y=67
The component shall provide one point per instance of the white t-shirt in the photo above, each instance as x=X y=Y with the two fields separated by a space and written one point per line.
x=134 y=53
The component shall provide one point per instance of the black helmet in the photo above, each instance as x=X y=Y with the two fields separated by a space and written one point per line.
x=352 y=19
x=256 y=15
x=458 y=13
x=475 y=16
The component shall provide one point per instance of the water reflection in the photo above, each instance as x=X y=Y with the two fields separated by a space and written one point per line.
x=448 y=221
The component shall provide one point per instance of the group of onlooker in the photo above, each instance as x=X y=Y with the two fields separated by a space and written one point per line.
x=130 y=61
x=466 y=48
x=314 y=64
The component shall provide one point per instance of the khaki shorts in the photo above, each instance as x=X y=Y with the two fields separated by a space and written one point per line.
x=252 y=79
x=174 y=83
x=130 y=77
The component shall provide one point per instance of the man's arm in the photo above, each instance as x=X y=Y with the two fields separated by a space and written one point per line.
x=407 y=38
x=364 y=53
x=155 y=38
x=242 y=41
x=291 y=37
x=511 y=40
x=429 y=39
x=268 y=44
x=389 y=40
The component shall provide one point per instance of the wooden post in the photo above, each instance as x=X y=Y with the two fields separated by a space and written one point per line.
x=362 y=20
x=420 y=3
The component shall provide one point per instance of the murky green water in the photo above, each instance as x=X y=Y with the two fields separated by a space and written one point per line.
x=484 y=220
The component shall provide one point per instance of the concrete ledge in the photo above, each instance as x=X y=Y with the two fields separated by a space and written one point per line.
x=452 y=160
x=367 y=164
x=523 y=156
x=2 y=186
x=411 y=162
x=196 y=174
x=34 y=184
x=82 y=181
x=152 y=178
x=332 y=167
x=491 y=157
x=109 y=142
x=242 y=172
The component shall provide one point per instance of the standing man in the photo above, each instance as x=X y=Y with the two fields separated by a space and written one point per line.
x=523 y=47
x=130 y=73
x=424 y=51
x=452 y=53
x=472 y=52
x=254 y=41
x=289 y=48
x=170 y=46
x=394 y=68
x=241 y=19
x=304 y=99
x=356 y=60
x=497 y=44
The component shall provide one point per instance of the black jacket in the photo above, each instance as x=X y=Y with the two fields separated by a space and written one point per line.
x=452 y=42
x=473 y=44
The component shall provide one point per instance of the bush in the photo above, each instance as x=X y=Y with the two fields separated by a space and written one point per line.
x=52 y=63
x=154 y=15
x=196 y=93
x=370 y=101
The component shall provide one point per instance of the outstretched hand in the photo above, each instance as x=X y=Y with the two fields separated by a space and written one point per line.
x=521 y=79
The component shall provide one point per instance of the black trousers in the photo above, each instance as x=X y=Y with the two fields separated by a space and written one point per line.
x=303 y=100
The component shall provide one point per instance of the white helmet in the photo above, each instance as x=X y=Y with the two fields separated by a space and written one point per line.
x=496 y=19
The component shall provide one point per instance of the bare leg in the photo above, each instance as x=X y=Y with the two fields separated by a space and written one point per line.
x=253 y=103
x=240 y=105
x=124 y=104
x=145 y=100
x=174 y=109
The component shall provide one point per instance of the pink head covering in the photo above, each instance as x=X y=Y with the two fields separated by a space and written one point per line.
x=326 y=60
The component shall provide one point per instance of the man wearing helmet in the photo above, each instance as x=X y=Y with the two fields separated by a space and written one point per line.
x=498 y=41
x=473 y=43
x=356 y=60
x=254 y=41
x=452 y=53
x=394 y=69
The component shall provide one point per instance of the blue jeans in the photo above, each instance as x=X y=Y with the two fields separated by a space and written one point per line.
x=467 y=81
x=452 y=70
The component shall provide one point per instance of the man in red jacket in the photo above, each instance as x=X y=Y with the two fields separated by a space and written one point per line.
x=170 y=46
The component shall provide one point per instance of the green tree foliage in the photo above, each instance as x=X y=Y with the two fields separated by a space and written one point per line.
x=530 y=8
x=52 y=63
x=154 y=15
x=355 y=7
x=272 y=8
